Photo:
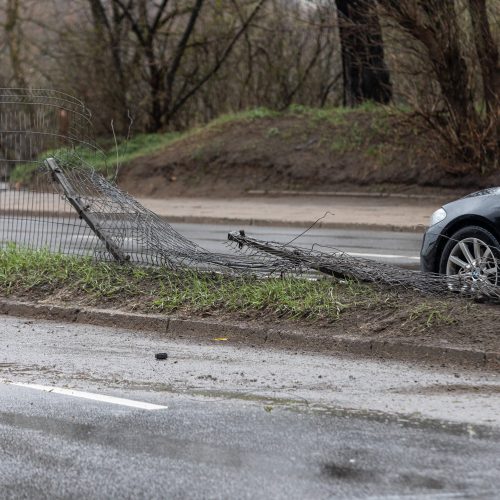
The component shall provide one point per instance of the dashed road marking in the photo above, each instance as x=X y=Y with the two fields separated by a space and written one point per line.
x=92 y=396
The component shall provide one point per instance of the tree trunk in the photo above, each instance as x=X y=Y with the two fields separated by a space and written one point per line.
x=108 y=34
x=156 y=91
x=487 y=53
x=366 y=76
x=14 y=37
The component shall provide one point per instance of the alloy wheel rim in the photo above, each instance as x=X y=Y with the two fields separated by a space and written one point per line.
x=474 y=264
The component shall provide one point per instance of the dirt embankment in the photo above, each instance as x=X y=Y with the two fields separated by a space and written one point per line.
x=333 y=150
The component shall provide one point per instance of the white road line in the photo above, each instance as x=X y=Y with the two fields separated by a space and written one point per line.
x=383 y=256
x=92 y=396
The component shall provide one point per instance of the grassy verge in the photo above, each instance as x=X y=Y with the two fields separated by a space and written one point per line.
x=140 y=145
x=143 y=145
x=159 y=289
x=40 y=275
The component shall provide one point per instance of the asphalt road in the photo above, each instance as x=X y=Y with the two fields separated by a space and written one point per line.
x=233 y=421
x=384 y=246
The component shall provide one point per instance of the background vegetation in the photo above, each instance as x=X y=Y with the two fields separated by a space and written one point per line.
x=169 y=65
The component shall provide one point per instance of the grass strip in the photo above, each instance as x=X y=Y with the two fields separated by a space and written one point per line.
x=41 y=275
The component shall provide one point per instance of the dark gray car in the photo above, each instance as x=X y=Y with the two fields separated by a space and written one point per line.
x=463 y=237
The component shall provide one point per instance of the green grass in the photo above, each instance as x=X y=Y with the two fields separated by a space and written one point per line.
x=247 y=115
x=432 y=314
x=40 y=273
x=272 y=132
x=139 y=145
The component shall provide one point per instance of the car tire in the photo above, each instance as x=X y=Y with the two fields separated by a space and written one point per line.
x=472 y=252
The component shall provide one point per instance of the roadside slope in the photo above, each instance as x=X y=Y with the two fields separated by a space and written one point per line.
x=373 y=149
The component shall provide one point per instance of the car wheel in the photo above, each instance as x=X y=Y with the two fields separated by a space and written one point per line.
x=472 y=256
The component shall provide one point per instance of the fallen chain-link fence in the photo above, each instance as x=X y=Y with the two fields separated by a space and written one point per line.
x=335 y=262
x=69 y=208
x=52 y=197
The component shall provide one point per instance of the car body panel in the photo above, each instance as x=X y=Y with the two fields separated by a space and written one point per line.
x=477 y=209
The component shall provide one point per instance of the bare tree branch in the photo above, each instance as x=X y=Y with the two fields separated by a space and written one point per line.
x=220 y=61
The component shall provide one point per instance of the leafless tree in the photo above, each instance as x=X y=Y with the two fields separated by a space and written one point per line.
x=435 y=25
x=173 y=63
x=153 y=27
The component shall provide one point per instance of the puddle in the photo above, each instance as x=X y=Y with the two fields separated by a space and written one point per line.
x=484 y=389
x=347 y=472
x=420 y=481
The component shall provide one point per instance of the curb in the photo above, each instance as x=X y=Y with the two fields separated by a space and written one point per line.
x=253 y=336
x=347 y=194
x=239 y=222
x=196 y=219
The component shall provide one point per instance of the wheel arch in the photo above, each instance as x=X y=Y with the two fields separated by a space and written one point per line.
x=460 y=223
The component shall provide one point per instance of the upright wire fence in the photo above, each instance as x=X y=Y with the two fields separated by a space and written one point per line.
x=51 y=197
x=33 y=123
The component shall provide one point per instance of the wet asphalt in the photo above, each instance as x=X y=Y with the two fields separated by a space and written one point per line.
x=396 y=247
x=240 y=422
x=56 y=447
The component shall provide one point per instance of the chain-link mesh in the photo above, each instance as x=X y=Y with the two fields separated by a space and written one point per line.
x=33 y=213
x=34 y=121
x=334 y=262
x=51 y=196
x=127 y=231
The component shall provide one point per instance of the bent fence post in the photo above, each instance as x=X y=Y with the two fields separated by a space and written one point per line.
x=70 y=194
